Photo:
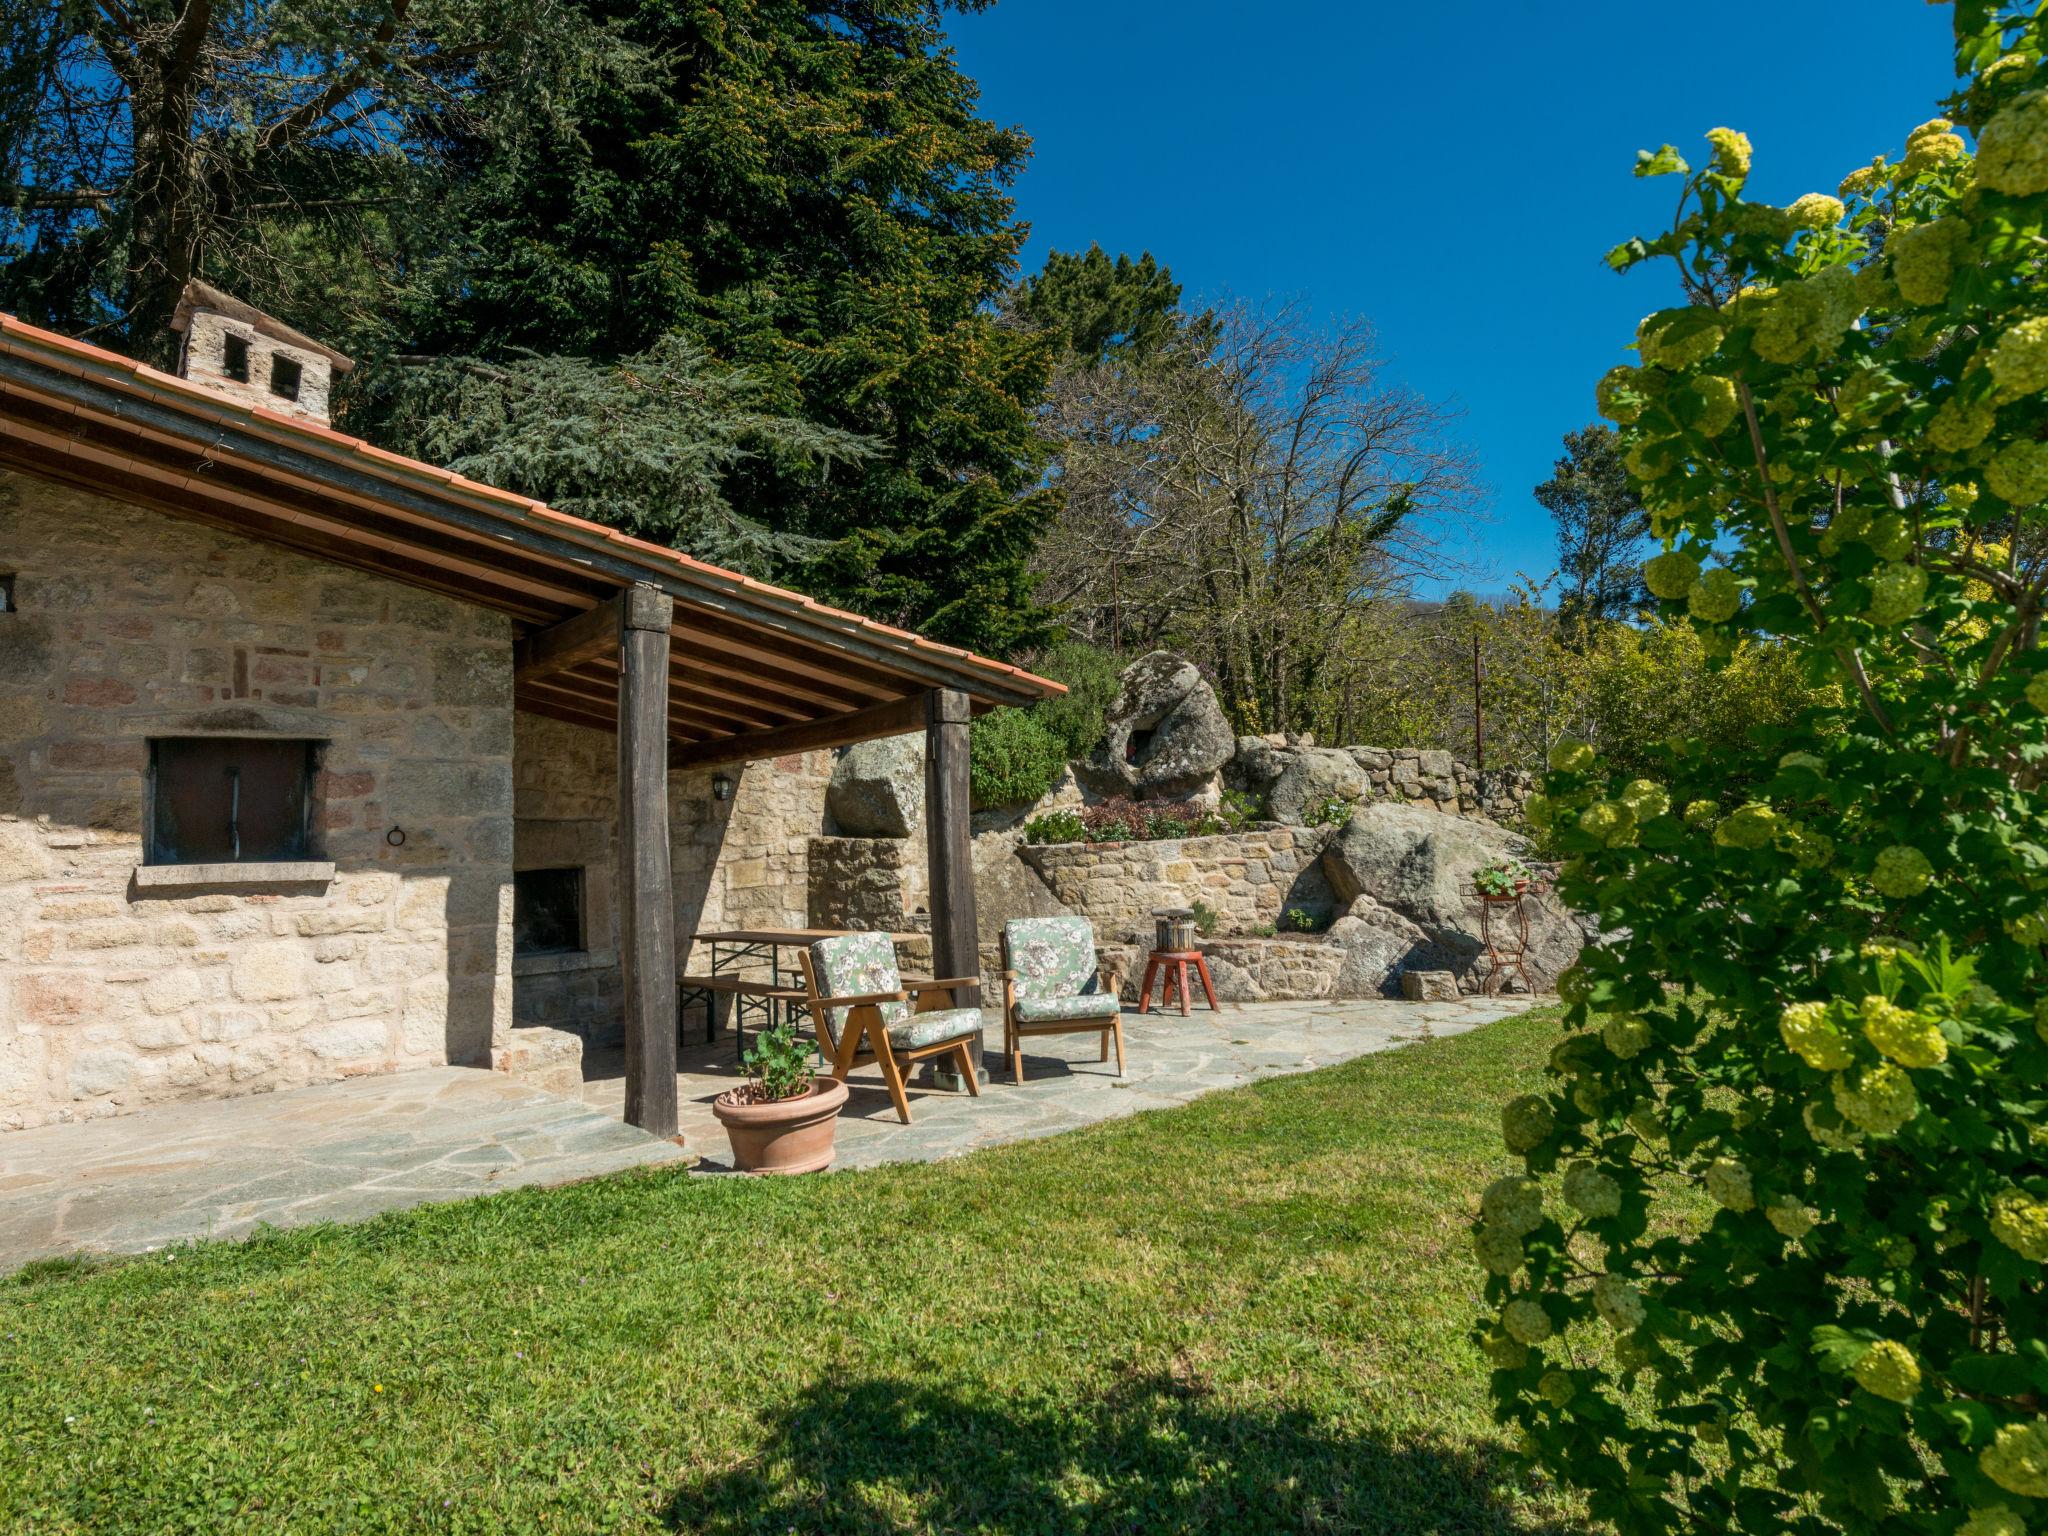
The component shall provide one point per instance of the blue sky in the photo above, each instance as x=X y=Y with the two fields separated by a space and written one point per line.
x=1454 y=172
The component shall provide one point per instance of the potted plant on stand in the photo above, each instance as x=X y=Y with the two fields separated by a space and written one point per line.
x=1502 y=880
x=782 y=1118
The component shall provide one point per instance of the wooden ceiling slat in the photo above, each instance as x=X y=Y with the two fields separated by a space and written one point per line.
x=704 y=683
x=890 y=719
x=603 y=702
x=597 y=680
x=744 y=716
x=568 y=716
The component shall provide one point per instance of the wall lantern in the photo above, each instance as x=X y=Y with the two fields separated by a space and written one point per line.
x=721 y=786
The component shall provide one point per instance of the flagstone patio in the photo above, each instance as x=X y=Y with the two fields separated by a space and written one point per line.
x=347 y=1151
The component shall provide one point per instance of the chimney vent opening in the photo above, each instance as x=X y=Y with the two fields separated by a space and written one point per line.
x=236 y=351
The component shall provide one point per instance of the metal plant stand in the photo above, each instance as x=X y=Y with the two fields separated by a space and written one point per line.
x=1501 y=964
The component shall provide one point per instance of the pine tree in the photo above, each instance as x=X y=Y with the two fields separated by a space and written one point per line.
x=648 y=444
x=808 y=191
x=1601 y=525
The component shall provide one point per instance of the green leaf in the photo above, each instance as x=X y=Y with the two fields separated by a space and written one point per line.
x=1664 y=162
x=1997 y=1375
x=1837 y=1349
x=1627 y=254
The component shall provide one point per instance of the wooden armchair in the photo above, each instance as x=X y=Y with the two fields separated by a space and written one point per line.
x=1052 y=985
x=862 y=1007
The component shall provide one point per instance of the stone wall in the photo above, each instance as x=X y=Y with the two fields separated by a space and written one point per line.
x=1249 y=878
x=132 y=625
x=745 y=862
x=869 y=882
x=741 y=863
x=1438 y=781
x=565 y=801
x=1242 y=970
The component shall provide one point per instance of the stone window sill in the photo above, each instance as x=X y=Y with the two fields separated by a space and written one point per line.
x=569 y=960
x=155 y=877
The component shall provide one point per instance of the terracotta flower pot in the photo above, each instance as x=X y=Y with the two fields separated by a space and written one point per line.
x=785 y=1135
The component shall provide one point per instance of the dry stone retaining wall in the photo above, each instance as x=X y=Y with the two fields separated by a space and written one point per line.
x=1249 y=878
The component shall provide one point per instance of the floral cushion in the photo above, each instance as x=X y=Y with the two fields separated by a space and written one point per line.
x=930 y=1028
x=858 y=965
x=1052 y=957
x=1087 y=1005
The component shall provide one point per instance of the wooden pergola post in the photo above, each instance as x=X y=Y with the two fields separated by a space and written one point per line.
x=647 y=923
x=949 y=842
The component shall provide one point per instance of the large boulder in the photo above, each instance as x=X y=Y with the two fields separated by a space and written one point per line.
x=1296 y=781
x=1006 y=888
x=1167 y=737
x=877 y=788
x=1406 y=875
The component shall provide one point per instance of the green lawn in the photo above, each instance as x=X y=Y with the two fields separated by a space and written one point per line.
x=1246 y=1315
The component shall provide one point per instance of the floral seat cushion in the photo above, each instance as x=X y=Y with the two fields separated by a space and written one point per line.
x=922 y=1029
x=1053 y=957
x=858 y=965
x=1086 y=1005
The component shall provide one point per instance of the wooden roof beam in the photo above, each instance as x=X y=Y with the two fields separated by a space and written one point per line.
x=890 y=719
x=589 y=635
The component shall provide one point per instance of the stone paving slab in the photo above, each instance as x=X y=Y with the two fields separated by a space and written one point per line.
x=347 y=1151
x=1168 y=1060
x=337 y=1152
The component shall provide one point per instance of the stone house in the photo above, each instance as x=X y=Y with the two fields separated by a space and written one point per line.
x=317 y=761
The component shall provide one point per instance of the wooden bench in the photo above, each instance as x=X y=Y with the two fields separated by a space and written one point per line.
x=738 y=994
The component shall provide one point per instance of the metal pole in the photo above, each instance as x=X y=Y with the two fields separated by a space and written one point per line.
x=1478 y=711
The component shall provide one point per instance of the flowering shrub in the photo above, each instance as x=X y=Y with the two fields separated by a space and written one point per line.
x=1774 y=1258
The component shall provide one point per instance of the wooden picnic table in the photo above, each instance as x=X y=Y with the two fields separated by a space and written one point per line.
x=783 y=992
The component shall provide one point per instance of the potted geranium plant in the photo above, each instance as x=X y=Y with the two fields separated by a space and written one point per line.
x=1502 y=880
x=782 y=1118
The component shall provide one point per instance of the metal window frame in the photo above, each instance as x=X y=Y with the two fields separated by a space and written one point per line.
x=309 y=830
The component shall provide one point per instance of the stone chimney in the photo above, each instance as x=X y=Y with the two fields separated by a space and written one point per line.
x=236 y=350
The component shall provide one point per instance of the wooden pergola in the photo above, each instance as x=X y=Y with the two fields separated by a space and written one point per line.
x=692 y=665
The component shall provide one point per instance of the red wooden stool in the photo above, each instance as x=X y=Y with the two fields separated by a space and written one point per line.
x=1171 y=965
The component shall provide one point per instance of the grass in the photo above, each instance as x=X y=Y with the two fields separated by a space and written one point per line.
x=1248 y=1314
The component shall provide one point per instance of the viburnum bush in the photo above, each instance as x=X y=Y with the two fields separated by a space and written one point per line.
x=1777 y=1258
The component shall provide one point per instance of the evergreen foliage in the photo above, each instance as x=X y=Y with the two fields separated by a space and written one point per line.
x=1104 y=311
x=1601 y=526
x=648 y=444
x=279 y=148
x=1016 y=755
x=808 y=191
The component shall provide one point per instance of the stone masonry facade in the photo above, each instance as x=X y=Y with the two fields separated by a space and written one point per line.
x=130 y=625
x=740 y=863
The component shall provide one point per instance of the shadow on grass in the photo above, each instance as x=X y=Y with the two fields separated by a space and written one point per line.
x=1159 y=1453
